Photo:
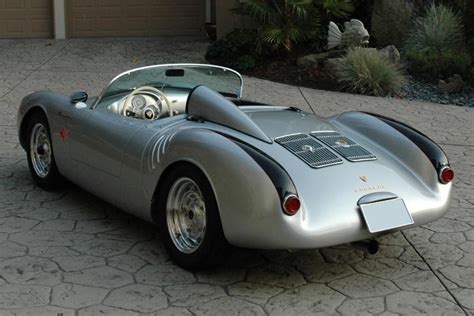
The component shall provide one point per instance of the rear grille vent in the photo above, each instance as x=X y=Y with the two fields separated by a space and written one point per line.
x=309 y=150
x=344 y=146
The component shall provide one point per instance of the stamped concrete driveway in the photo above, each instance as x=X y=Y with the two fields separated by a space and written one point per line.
x=68 y=253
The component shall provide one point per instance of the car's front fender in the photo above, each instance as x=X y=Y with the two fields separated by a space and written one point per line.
x=54 y=107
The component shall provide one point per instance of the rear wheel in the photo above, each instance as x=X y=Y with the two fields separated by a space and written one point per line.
x=40 y=155
x=189 y=220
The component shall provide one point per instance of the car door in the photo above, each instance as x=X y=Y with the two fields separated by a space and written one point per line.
x=98 y=142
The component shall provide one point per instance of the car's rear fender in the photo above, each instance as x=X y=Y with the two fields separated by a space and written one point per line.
x=393 y=144
x=432 y=150
x=249 y=204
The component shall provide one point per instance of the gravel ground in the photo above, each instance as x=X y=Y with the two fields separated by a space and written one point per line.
x=426 y=91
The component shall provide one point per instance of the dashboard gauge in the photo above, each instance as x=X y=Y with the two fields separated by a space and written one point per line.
x=138 y=102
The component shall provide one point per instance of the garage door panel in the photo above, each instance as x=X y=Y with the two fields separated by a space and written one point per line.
x=41 y=4
x=26 y=18
x=134 y=25
x=173 y=13
x=138 y=3
x=40 y=25
x=108 y=13
x=135 y=17
x=15 y=26
x=84 y=3
x=109 y=3
x=94 y=4
x=14 y=4
x=110 y=24
x=84 y=25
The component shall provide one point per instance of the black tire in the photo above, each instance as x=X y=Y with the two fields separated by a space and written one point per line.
x=53 y=179
x=214 y=248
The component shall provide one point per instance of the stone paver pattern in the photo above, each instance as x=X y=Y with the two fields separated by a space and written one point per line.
x=69 y=253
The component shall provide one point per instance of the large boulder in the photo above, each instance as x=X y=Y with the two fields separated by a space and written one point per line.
x=391 y=53
x=454 y=84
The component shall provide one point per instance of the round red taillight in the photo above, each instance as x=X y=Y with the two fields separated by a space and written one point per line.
x=291 y=204
x=446 y=175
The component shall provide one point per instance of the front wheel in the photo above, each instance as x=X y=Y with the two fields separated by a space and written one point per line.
x=40 y=155
x=189 y=220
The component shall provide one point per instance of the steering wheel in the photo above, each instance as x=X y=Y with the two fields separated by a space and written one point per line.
x=128 y=100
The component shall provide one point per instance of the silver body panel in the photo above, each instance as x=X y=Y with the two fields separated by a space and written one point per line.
x=121 y=160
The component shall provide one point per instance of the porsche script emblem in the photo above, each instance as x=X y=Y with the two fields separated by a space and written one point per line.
x=363 y=178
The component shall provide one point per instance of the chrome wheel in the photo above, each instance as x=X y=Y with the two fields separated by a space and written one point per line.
x=186 y=215
x=40 y=150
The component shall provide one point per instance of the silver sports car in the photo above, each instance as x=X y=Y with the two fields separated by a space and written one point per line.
x=178 y=146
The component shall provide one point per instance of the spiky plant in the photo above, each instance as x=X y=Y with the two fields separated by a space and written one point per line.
x=283 y=23
x=365 y=71
x=436 y=47
x=439 y=29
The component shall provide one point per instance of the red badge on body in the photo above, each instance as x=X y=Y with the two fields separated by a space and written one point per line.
x=64 y=133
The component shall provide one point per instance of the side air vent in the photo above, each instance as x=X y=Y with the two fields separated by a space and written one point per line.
x=344 y=146
x=309 y=150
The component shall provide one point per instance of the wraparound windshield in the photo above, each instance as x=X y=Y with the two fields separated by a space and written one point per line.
x=186 y=76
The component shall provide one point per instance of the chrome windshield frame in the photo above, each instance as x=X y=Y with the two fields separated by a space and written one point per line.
x=128 y=72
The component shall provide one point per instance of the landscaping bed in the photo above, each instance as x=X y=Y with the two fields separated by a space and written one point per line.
x=288 y=72
x=322 y=44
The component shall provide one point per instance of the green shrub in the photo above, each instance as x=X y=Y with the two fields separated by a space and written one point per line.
x=283 y=23
x=245 y=62
x=236 y=50
x=390 y=22
x=439 y=63
x=365 y=71
x=439 y=29
x=436 y=47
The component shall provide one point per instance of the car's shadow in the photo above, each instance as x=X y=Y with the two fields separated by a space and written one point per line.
x=102 y=230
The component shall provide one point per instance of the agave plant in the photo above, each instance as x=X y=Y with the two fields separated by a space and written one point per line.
x=439 y=29
x=283 y=23
x=436 y=47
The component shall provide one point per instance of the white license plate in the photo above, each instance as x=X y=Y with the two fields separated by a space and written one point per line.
x=386 y=215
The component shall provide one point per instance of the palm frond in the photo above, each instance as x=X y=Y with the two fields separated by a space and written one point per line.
x=338 y=8
x=283 y=23
x=299 y=7
x=260 y=10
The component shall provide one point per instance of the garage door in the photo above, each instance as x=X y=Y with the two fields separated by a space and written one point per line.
x=92 y=18
x=26 y=18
